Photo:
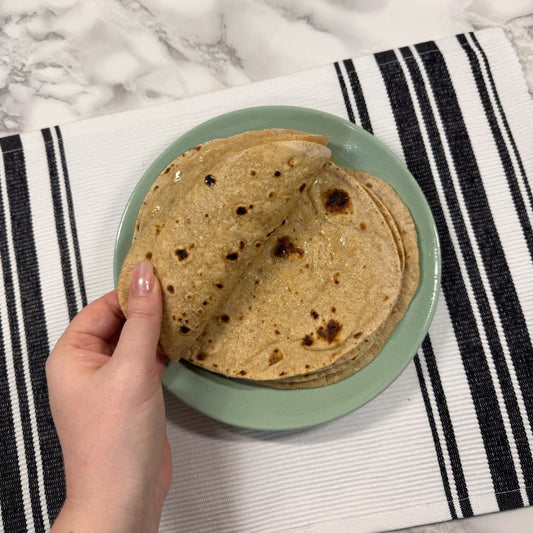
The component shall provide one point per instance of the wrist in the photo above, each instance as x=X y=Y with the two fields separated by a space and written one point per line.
x=89 y=516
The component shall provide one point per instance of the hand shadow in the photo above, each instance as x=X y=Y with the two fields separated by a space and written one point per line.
x=216 y=463
x=374 y=414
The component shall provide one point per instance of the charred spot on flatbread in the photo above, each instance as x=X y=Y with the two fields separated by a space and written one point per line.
x=284 y=248
x=329 y=331
x=337 y=201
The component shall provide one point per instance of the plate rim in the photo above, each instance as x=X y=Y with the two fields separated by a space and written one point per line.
x=170 y=153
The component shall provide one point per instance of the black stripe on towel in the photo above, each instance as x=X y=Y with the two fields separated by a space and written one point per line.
x=504 y=118
x=436 y=440
x=344 y=92
x=453 y=286
x=64 y=252
x=494 y=261
x=447 y=427
x=28 y=276
x=505 y=158
x=358 y=95
x=481 y=298
x=10 y=486
x=37 y=345
x=72 y=218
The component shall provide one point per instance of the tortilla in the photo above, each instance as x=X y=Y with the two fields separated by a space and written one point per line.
x=325 y=280
x=276 y=265
x=207 y=239
x=360 y=357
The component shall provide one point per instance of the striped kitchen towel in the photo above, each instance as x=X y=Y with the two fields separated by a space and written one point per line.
x=452 y=437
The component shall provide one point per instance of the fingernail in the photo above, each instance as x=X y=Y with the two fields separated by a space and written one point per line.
x=142 y=278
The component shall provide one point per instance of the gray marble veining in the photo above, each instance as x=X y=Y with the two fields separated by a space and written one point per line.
x=62 y=60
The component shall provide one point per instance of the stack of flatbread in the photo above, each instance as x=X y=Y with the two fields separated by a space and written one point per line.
x=276 y=265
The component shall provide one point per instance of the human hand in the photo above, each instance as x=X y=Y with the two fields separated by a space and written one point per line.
x=104 y=380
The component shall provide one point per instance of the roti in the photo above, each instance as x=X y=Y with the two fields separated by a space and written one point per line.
x=324 y=281
x=362 y=355
x=203 y=245
x=276 y=265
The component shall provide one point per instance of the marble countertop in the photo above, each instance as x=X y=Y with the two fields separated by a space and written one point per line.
x=64 y=60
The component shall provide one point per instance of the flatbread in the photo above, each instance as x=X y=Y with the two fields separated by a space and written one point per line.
x=276 y=265
x=361 y=356
x=207 y=239
x=325 y=280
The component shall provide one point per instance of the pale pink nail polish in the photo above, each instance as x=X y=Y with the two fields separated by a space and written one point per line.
x=142 y=278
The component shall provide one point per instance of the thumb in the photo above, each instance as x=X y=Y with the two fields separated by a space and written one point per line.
x=140 y=334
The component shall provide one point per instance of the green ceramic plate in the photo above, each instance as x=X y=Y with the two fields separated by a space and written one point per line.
x=245 y=404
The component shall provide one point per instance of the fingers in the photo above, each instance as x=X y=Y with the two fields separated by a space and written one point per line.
x=100 y=320
x=140 y=334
